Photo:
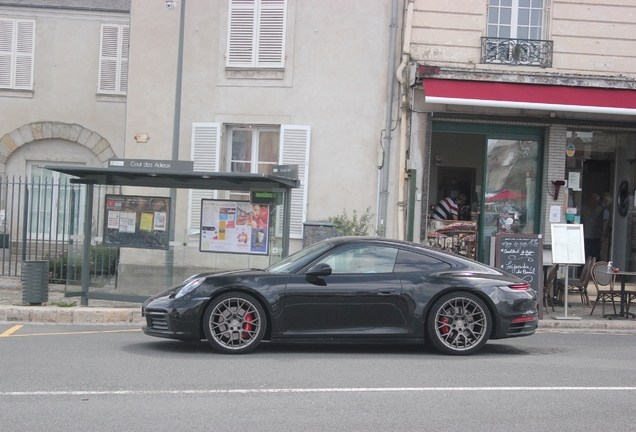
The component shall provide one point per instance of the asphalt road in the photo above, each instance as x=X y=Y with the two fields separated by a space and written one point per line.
x=114 y=378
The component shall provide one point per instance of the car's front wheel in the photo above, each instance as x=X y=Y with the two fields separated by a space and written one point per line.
x=459 y=324
x=234 y=323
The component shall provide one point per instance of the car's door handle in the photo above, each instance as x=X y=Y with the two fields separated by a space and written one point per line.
x=386 y=291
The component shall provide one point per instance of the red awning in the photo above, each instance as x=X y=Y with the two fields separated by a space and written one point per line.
x=530 y=96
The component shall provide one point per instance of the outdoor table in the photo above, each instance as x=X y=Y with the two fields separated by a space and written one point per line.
x=622 y=276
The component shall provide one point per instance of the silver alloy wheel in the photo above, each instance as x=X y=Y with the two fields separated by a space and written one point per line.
x=461 y=323
x=235 y=323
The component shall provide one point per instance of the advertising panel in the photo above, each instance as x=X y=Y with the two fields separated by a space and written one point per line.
x=136 y=221
x=234 y=227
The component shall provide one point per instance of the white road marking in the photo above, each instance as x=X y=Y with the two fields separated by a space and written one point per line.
x=309 y=390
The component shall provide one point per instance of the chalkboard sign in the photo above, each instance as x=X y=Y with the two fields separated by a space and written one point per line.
x=522 y=256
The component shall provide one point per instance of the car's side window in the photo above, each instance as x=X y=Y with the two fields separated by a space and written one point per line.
x=362 y=259
x=411 y=261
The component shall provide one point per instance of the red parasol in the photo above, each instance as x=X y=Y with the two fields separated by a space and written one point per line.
x=505 y=195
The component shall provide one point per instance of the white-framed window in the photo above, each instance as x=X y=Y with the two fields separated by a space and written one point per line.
x=252 y=150
x=52 y=196
x=17 y=48
x=256 y=34
x=113 y=59
x=516 y=19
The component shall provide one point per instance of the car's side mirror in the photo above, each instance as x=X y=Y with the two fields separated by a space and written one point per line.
x=319 y=270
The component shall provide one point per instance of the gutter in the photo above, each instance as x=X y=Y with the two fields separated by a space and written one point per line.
x=404 y=117
x=386 y=150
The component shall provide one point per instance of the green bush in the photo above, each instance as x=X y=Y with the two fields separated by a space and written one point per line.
x=354 y=226
x=103 y=263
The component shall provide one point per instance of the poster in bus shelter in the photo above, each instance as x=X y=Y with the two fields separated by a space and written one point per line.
x=136 y=221
x=234 y=227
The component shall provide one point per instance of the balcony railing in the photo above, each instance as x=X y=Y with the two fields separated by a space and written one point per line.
x=520 y=52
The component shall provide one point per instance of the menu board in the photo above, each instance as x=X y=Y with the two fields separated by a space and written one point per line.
x=136 y=221
x=568 y=246
x=522 y=256
x=234 y=227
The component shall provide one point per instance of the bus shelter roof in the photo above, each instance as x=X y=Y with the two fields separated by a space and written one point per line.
x=175 y=179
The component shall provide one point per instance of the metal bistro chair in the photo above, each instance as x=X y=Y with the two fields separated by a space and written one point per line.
x=579 y=286
x=604 y=282
x=549 y=284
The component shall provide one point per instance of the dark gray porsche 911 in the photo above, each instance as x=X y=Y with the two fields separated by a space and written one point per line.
x=349 y=290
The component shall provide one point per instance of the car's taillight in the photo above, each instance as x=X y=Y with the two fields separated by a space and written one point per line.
x=524 y=319
x=520 y=287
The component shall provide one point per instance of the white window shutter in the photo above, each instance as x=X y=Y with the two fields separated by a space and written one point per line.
x=108 y=55
x=241 y=33
x=294 y=150
x=24 y=50
x=206 y=155
x=17 y=48
x=6 y=53
x=123 y=65
x=271 y=34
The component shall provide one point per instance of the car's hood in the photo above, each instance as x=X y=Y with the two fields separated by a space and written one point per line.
x=208 y=275
x=224 y=273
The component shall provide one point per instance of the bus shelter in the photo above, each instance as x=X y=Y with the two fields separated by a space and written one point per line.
x=151 y=254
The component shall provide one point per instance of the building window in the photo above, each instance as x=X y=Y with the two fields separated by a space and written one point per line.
x=113 y=59
x=515 y=19
x=256 y=34
x=17 y=45
x=51 y=198
x=251 y=150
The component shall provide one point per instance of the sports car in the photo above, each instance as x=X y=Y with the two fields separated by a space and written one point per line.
x=349 y=290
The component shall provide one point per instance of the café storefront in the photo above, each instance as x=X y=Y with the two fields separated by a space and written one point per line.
x=523 y=169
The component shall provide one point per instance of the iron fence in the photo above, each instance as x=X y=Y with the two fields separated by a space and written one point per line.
x=43 y=219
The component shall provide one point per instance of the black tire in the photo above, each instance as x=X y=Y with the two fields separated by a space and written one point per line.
x=459 y=324
x=234 y=323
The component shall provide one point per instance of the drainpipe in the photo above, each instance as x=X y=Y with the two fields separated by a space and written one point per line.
x=402 y=76
x=384 y=168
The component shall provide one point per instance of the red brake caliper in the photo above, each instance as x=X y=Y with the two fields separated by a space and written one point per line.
x=444 y=329
x=247 y=326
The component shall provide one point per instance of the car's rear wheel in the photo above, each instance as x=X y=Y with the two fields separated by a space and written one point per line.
x=459 y=324
x=234 y=323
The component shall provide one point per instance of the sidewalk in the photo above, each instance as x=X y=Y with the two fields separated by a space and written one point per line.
x=58 y=309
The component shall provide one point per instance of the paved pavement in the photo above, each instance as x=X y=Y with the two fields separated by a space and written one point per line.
x=60 y=309
x=63 y=310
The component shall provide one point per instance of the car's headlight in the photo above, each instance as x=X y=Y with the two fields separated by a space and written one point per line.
x=190 y=286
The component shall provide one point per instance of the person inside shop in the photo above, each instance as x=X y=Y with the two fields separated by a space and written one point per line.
x=448 y=208
x=592 y=220
x=606 y=203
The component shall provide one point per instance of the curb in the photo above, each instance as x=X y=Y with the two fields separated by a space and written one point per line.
x=82 y=315
x=606 y=324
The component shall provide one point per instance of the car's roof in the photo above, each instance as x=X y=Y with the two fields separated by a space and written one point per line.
x=363 y=239
x=417 y=247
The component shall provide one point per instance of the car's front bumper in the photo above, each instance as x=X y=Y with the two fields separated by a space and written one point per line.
x=174 y=318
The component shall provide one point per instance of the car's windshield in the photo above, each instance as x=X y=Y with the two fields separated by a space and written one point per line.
x=298 y=259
